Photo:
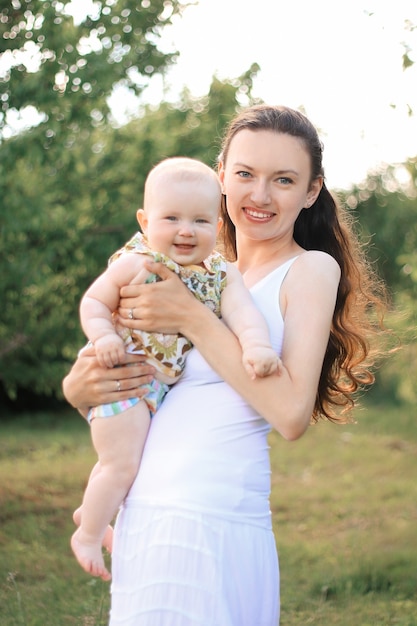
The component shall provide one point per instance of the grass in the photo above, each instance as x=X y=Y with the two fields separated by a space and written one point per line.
x=345 y=514
x=344 y=502
x=44 y=463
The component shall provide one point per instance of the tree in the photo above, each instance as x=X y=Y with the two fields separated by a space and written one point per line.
x=66 y=68
x=385 y=206
x=69 y=203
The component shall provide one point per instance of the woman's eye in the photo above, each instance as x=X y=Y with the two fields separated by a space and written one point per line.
x=243 y=174
x=284 y=180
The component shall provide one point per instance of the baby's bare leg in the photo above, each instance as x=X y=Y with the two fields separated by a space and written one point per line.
x=119 y=442
x=76 y=516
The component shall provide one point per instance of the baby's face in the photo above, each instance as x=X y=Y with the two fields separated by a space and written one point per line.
x=181 y=220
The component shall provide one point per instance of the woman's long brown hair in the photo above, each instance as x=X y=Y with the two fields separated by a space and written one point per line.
x=357 y=319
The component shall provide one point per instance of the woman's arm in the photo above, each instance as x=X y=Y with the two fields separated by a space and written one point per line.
x=308 y=297
x=87 y=384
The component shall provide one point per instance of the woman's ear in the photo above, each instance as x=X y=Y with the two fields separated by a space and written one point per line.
x=142 y=219
x=313 y=192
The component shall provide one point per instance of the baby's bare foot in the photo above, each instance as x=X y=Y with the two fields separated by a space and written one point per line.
x=89 y=556
x=76 y=516
x=108 y=535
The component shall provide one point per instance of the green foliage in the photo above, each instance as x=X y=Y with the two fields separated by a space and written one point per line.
x=67 y=68
x=385 y=206
x=69 y=200
x=49 y=226
x=386 y=209
x=57 y=223
x=410 y=31
x=70 y=186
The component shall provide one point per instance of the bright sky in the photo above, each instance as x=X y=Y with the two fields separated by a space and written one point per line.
x=340 y=61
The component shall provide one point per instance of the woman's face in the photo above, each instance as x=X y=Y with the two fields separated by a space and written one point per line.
x=266 y=180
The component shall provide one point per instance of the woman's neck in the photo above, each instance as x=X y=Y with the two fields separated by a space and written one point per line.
x=258 y=257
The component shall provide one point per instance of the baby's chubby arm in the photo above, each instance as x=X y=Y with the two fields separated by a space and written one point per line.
x=247 y=323
x=99 y=302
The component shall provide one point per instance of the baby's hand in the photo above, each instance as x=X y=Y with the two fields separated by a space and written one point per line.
x=261 y=361
x=110 y=350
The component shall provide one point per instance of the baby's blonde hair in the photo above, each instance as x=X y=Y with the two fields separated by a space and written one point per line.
x=181 y=169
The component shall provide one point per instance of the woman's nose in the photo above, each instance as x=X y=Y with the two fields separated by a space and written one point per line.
x=261 y=194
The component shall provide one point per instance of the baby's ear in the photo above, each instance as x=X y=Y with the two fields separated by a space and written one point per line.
x=142 y=219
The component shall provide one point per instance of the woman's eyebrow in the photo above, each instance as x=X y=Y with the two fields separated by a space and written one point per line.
x=288 y=170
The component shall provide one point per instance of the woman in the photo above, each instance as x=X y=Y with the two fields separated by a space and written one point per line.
x=193 y=542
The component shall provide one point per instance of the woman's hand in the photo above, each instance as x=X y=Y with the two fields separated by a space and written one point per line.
x=88 y=384
x=164 y=307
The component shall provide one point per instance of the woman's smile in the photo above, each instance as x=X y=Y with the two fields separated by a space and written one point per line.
x=258 y=215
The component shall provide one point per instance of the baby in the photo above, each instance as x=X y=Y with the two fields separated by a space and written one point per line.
x=179 y=223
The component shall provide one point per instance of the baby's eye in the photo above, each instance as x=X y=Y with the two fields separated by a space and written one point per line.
x=171 y=218
x=201 y=220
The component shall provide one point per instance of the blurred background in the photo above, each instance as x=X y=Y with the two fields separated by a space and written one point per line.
x=93 y=94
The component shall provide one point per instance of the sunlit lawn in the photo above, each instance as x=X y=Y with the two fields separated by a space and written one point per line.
x=344 y=505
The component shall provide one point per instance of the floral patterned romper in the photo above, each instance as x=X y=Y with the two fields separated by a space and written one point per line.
x=167 y=353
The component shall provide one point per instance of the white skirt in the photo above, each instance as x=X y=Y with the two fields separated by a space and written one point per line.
x=179 y=567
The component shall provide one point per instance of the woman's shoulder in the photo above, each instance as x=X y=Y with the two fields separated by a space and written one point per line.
x=314 y=267
x=317 y=260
